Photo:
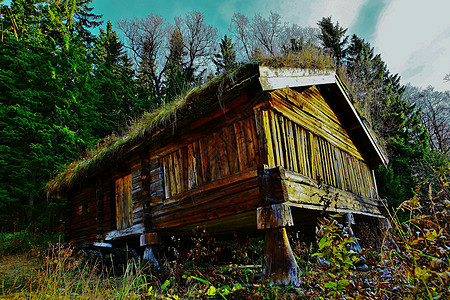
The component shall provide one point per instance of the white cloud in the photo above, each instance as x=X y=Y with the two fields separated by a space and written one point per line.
x=343 y=11
x=413 y=38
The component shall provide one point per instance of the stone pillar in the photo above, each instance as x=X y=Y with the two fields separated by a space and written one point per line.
x=279 y=264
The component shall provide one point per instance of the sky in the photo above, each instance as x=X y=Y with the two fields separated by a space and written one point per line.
x=413 y=36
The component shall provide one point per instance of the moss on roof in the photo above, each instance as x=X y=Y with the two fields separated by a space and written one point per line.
x=308 y=58
x=194 y=103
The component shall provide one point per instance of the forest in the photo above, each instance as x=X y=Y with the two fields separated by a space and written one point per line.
x=66 y=91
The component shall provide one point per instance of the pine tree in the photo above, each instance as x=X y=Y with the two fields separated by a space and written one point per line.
x=333 y=38
x=48 y=104
x=379 y=95
x=114 y=84
x=179 y=77
x=225 y=60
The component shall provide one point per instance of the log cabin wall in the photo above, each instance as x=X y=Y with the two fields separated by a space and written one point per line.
x=305 y=136
x=231 y=149
x=210 y=172
x=83 y=221
x=91 y=211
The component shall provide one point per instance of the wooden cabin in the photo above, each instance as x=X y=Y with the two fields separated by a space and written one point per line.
x=257 y=149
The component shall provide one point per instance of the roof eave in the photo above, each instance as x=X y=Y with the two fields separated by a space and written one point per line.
x=272 y=79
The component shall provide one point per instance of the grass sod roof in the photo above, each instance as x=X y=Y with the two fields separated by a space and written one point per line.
x=193 y=104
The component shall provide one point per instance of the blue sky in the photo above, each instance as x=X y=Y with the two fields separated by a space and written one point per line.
x=413 y=36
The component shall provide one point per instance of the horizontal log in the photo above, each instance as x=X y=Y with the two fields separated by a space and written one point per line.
x=127 y=232
x=222 y=207
x=307 y=193
x=208 y=192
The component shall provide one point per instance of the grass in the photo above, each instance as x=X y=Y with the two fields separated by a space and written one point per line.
x=410 y=260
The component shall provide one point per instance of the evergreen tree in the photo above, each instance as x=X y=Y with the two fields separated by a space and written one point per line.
x=115 y=86
x=225 y=60
x=179 y=76
x=333 y=38
x=47 y=103
x=379 y=95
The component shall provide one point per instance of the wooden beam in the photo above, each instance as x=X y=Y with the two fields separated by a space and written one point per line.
x=271 y=79
x=127 y=232
x=274 y=216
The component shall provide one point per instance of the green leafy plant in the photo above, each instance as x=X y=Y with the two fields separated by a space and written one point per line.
x=334 y=256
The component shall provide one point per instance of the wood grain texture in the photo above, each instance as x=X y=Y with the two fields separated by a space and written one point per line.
x=297 y=149
x=230 y=150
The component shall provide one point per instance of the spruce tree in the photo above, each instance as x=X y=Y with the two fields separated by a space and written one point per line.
x=114 y=84
x=225 y=60
x=333 y=38
x=47 y=102
x=179 y=77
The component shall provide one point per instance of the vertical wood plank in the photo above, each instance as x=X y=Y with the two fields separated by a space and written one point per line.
x=206 y=174
x=241 y=146
x=190 y=167
x=310 y=154
x=317 y=158
x=173 y=179
x=198 y=179
x=222 y=153
x=331 y=162
x=166 y=177
x=183 y=161
x=128 y=201
x=119 y=207
x=293 y=145
x=231 y=150
x=279 y=141
x=305 y=152
x=251 y=138
x=268 y=137
x=299 y=149
x=338 y=167
x=213 y=160
x=284 y=145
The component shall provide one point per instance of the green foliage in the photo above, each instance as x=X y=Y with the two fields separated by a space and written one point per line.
x=225 y=60
x=180 y=77
x=62 y=90
x=27 y=241
x=333 y=38
x=378 y=95
x=335 y=256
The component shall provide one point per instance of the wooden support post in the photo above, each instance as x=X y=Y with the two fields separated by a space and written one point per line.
x=354 y=246
x=279 y=265
x=151 y=253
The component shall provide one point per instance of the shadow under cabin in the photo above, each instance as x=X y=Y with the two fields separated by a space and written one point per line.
x=255 y=150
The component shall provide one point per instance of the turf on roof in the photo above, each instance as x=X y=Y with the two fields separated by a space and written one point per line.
x=193 y=104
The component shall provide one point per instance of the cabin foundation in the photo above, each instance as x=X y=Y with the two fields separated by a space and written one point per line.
x=151 y=251
x=279 y=265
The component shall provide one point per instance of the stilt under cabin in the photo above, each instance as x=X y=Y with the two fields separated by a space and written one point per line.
x=258 y=150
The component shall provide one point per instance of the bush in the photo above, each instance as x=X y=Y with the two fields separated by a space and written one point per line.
x=26 y=241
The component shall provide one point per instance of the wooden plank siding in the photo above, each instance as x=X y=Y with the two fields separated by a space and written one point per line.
x=305 y=136
x=231 y=149
x=124 y=202
x=86 y=216
x=223 y=197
